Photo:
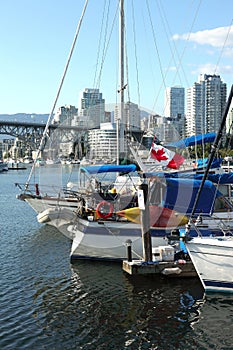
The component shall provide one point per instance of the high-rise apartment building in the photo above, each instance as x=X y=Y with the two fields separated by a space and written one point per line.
x=175 y=106
x=174 y=102
x=65 y=114
x=206 y=101
x=131 y=116
x=92 y=106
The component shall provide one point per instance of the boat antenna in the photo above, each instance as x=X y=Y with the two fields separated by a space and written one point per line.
x=212 y=154
x=57 y=96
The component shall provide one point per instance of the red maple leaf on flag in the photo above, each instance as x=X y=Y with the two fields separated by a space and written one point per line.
x=159 y=154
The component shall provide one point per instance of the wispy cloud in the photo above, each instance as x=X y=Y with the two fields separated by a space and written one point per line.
x=214 y=37
x=210 y=68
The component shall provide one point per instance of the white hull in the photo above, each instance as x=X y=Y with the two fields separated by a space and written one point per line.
x=213 y=260
x=59 y=218
x=59 y=213
x=216 y=223
x=107 y=240
x=41 y=204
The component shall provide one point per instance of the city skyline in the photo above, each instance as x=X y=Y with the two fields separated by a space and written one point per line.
x=36 y=39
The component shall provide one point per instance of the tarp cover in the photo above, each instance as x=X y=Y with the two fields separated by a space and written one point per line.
x=200 y=163
x=193 y=140
x=109 y=168
x=222 y=179
x=181 y=193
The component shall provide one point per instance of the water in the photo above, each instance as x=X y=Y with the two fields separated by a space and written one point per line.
x=47 y=303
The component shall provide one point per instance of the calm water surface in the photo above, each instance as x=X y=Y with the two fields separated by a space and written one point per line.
x=47 y=303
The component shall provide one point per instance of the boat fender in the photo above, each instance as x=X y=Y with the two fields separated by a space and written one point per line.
x=171 y=271
x=104 y=210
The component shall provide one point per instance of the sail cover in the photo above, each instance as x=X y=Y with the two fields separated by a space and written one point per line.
x=109 y=168
x=193 y=140
x=181 y=193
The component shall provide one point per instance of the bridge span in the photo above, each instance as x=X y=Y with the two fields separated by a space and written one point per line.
x=31 y=133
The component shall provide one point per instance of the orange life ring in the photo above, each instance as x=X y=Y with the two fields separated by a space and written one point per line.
x=104 y=210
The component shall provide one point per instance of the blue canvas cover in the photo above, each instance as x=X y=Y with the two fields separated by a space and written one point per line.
x=181 y=193
x=193 y=140
x=201 y=163
x=109 y=168
x=222 y=179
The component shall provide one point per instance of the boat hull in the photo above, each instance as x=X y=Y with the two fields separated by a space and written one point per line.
x=221 y=220
x=213 y=260
x=106 y=240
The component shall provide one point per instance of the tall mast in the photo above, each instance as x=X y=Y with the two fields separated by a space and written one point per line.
x=120 y=119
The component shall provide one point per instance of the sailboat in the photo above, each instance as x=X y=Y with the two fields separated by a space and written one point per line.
x=95 y=213
x=213 y=256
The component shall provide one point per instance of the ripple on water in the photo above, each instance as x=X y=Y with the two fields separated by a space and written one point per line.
x=46 y=303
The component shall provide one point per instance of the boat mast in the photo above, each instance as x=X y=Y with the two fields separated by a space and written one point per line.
x=120 y=119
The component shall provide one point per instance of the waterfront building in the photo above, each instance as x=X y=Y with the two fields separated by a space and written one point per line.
x=18 y=149
x=131 y=118
x=92 y=107
x=174 y=108
x=174 y=102
x=65 y=115
x=166 y=130
x=5 y=145
x=206 y=101
x=103 y=143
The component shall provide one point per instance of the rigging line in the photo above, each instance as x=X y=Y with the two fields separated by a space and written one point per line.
x=135 y=52
x=169 y=35
x=106 y=47
x=184 y=49
x=100 y=42
x=58 y=93
x=155 y=42
x=189 y=34
x=224 y=44
x=104 y=41
x=120 y=240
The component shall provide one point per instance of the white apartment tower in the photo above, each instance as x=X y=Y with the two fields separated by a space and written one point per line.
x=92 y=106
x=131 y=117
x=206 y=101
x=65 y=114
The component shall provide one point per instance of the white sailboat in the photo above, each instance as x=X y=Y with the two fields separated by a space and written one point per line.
x=213 y=261
x=213 y=256
x=80 y=213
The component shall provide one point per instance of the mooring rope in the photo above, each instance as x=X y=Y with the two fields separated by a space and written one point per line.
x=57 y=96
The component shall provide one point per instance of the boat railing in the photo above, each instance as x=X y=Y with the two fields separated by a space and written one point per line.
x=42 y=190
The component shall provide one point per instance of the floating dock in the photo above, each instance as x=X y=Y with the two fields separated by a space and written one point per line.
x=178 y=268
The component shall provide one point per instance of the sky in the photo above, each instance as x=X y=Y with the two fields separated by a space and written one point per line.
x=168 y=43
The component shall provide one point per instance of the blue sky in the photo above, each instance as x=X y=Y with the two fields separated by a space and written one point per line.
x=169 y=43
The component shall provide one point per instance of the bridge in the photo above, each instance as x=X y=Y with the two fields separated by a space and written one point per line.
x=31 y=133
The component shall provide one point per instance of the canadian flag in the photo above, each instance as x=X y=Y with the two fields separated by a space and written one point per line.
x=166 y=157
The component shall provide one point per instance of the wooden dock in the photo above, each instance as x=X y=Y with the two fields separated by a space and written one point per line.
x=170 y=269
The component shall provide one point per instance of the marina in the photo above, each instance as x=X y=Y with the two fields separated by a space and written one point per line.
x=48 y=303
x=101 y=218
x=117 y=225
